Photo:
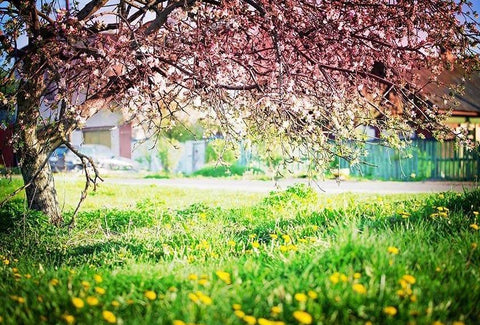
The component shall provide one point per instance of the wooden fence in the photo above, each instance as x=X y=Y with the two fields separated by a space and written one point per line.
x=424 y=159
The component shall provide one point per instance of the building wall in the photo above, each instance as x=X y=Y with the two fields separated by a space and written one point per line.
x=106 y=124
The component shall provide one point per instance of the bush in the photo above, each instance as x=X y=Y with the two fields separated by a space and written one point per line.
x=225 y=171
x=219 y=149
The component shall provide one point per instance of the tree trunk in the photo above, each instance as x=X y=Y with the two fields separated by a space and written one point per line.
x=41 y=193
x=33 y=150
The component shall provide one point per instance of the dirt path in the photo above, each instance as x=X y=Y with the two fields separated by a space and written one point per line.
x=328 y=186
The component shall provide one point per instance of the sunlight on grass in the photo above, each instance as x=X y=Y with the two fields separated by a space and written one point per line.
x=123 y=197
x=154 y=255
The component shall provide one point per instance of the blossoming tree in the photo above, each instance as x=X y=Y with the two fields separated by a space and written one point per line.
x=308 y=73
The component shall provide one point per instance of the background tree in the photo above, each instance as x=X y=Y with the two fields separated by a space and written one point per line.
x=304 y=71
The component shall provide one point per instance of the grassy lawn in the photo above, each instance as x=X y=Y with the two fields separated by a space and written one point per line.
x=152 y=255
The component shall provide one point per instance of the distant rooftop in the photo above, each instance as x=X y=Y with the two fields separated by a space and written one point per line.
x=467 y=102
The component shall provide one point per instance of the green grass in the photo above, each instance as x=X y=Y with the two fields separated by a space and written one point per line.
x=341 y=259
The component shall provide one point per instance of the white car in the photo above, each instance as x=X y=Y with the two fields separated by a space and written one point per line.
x=101 y=155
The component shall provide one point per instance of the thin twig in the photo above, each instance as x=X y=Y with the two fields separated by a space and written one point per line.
x=89 y=180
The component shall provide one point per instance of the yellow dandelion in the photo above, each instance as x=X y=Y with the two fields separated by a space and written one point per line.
x=21 y=300
x=474 y=226
x=276 y=310
x=203 y=282
x=250 y=320
x=312 y=294
x=357 y=275
x=314 y=227
x=302 y=317
x=264 y=321
x=115 y=303
x=193 y=297
x=335 y=278
x=343 y=278
x=393 y=250
x=410 y=279
x=474 y=245
x=390 y=310
x=475 y=213
x=193 y=277
x=401 y=293
x=239 y=313
x=458 y=322
x=109 y=317
x=69 y=319
x=14 y=270
x=78 y=302
x=178 y=322
x=413 y=298
x=100 y=290
x=92 y=301
x=98 y=278
x=252 y=236
x=86 y=284
x=301 y=297
x=6 y=261
x=255 y=244
x=236 y=306
x=224 y=276
x=359 y=288
x=54 y=282
x=150 y=295
x=28 y=276
x=206 y=300
x=437 y=322
x=286 y=238
x=273 y=236
x=231 y=243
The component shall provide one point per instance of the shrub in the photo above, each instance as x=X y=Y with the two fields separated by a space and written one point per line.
x=225 y=171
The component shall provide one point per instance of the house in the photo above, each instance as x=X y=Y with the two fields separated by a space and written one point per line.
x=427 y=158
x=107 y=128
x=465 y=108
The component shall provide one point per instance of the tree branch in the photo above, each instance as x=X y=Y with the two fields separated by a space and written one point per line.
x=90 y=8
x=89 y=180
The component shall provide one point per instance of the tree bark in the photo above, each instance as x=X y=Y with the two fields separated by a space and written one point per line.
x=40 y=190
x=33 y=149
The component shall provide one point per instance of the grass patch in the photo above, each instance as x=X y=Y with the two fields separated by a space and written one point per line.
x=171 y=257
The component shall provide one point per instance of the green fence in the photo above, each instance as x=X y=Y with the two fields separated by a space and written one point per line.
x=424 y=159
